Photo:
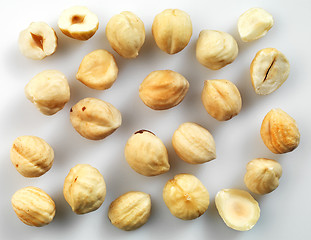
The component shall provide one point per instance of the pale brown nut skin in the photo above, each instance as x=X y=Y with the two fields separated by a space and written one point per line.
x=98 y=70
x=126 y=34
x=172 y=30
x=146 y=154
x=262 y=175
x=31 y=156
x=33 y=206
x=84 y=189
x=186 y=197
x=221 y=99
x=130 y=211
x=163 y=89
x=193 y=143
x=279 y=132
x=95 y=119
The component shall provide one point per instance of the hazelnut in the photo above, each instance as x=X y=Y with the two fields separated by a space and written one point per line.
x=130 y=211
x=262 y=175
x=33 y=206
x=37 y=41
x=84 y=189
x=98 y=70
x=163 y=89
x=269 y=70
x=95 y=119
x=279 y=132
x=186 y=197
x=237 y=208
x=146 y=154
x=31 y=156
x=254 y=24
x=172 y=30
x=78 y=22
x=216 y=49
x=126 y=34
x=194 y=144
x=48 y=91
x=221 y=99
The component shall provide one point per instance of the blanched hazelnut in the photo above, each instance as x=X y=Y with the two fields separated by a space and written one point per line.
x=48 y=91
x=186 y=197
x=78 y=22
x=262 y=175
x=254 y=24
x=126 y=34
x=163 y=89
x=216 y=49
x=221 y=99
x=37 y=41
x=239 y=210
x=269 y=70
x=172 y=30
x=194 y=144
x=146 y=154
x=84 y=189
x=130 y=211
x=279 y=132
x=95 y=119
x=33 y=206
x=98 y=70
x=31 y=156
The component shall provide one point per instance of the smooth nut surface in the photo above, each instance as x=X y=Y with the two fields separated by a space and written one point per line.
x=31 y=156
x=163 y=89
x=216 y=49
x=126 y=34
x=98 y=70
x=78 y=22
x=262 y=175
x=193 y=143
x=172 y=30
x=37 y=41
x=33 y=206
x=130 y=211
x=239 y=210
x=84 y=189
x=254 y=24
x=48 y=91
x=269 y=70
x=279 y=132
x=146 y=154
x=221 y=99
x=186 y=197
x=95 y=119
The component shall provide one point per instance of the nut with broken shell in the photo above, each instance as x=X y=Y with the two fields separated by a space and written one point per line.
x=269 y=70
x=279 y=132
x=186 y=197
x=84 y=189
x=262 y=175
x=31 y=156
x=37 y=41
x=33 y=206
x=130 y=211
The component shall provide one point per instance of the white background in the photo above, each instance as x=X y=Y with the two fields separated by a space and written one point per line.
x=285 y=213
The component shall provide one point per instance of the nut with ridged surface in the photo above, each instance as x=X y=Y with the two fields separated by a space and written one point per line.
x=84 y=189
x=193 y=143
x=262 y=175
x=186 y=197
x=163 y=89
x=33 y=206
x=31 y=156
x=279 y=132
x=130 y=211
